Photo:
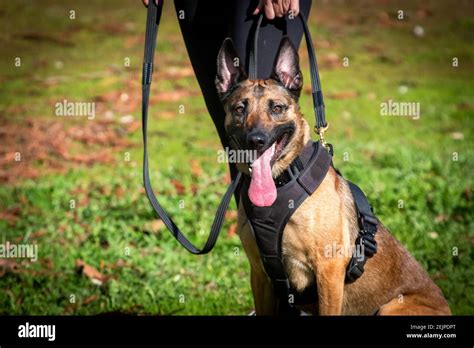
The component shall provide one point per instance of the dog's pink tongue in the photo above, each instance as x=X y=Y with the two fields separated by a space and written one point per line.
x=262 y=191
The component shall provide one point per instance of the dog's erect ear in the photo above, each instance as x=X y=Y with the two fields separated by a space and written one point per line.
x=287 y=67
x=229 y=68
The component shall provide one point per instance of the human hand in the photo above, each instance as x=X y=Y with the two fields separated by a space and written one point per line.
x=277 y=8
x=146 y=2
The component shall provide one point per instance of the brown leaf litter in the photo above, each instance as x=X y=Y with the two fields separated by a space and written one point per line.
x=36 y=146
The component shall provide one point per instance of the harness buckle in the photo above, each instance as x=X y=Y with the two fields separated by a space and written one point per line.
x=368 y=243
x=354 y=270
x=366 y=237
x=368 y=220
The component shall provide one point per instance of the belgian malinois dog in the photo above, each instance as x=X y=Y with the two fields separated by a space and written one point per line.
x=266 y=115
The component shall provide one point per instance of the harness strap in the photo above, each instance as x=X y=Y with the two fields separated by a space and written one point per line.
x=366 y=246
x=268 y=223
x=153 y=20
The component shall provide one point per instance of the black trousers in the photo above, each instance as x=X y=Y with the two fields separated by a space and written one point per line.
x=205 y=24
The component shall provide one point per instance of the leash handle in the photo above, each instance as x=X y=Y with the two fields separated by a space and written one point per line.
x=152 y=22
x=253 y=57
x=318 y=100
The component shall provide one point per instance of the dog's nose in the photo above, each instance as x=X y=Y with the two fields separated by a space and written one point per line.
x=256 y=140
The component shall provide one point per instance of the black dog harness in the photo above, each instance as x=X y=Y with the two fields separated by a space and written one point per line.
x=305 y=175
x=267 y=223
x=298 y=182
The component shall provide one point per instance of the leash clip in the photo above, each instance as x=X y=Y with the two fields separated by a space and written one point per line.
x=320 y=131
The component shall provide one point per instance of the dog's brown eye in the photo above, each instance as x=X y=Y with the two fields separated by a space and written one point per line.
x=239 y=109
x=277 y=109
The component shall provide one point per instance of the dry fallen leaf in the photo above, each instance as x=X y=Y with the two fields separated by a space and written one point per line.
x=457 y=135
x=231 y=215
x=384 y=18
x=64 y=150
x=232 y=230
x=10 y=215
x=171 y=96
x=196 y=169
x=154 y=226
x=331 y=60
x=226 y=179
x=343 y=95
x=167 y=115
x=90 y=272
x=177 y=72
x=423 y=13
x=178 y=185
x=90 y=299
x=8 y=266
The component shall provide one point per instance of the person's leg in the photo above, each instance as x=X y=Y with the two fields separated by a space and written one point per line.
x=204 y=28
x=242 y=29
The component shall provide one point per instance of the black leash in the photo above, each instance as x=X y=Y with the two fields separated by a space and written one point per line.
x=253 y=56
x=153 y=20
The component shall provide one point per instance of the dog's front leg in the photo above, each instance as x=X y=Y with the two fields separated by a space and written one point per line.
x=330 y=275
x=264 y=297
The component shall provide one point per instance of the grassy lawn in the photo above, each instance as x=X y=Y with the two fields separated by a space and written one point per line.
x=84 y=206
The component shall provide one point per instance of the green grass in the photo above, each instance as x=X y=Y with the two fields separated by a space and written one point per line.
x=393 y=159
